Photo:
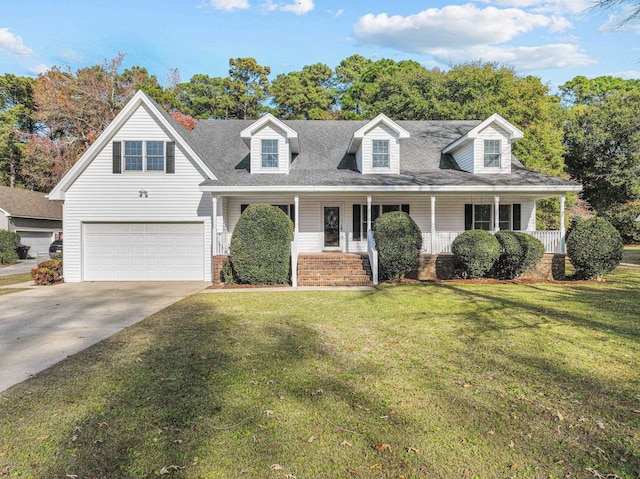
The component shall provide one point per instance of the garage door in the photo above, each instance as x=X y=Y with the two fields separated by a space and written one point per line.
x=38 y=241
x=143 y=251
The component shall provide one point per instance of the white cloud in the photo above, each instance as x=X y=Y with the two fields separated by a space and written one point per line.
x=628 y=75
x=38 y=69
x=559 y=55
x=229 y=5
x=450 y=27
x=616 y=22
x=557 y=7
x=68 y=55
x=337 y=13
x=299 y=7
x=14 y=44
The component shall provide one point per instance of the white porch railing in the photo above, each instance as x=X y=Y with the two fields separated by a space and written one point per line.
x=294 y=261
x=550 y=239
x=223 y=242
x=438 y=243
x=372 y=252
x=441 y=241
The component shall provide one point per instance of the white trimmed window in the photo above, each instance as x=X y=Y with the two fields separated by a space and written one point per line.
x=269 y=153
x=492 y=153
x=380 y=153
x=482 y=217
x=144 y=156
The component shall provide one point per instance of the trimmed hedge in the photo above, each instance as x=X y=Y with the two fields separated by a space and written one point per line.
x=594 y=248
x=261 y=246
x=398 y=240
x=520 y=253
x=476 y=251
x=9 y=241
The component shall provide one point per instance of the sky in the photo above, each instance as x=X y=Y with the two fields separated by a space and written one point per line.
x=554 y=40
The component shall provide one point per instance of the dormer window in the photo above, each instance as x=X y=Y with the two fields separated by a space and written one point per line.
x=269 y=153
x=380 y=153
x=492 y=154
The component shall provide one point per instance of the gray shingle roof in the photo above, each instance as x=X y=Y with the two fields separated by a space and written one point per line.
x=29 y=204
x=323 y=159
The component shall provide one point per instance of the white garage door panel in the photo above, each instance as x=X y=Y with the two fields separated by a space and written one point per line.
x=37 y=240
x=143 y=251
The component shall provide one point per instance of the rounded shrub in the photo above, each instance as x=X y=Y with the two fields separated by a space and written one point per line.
x=9 y=241
x=519 y=253
x=476 y=251
x=594 y=248
x=398 y=240
x=261 y=245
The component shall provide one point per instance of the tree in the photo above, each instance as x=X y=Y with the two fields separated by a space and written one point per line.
x=248 y=86
x=16 y=121
x=585 y=91
x=634 y=11
x=304 y=95
x=204 y=97
x=602 y=142
x=138 y=78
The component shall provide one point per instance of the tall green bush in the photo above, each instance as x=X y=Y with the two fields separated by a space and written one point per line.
x=594 y=248
x=476 y=251
x=9 y=241
x=261 y=245
x=398 y=240
x=519 y=253
x=623 y=218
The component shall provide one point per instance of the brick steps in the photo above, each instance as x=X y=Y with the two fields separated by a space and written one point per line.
x=334 y=269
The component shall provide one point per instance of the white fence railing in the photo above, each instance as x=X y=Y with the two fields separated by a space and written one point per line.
x=441 y=241
x=372 y=252
x=223 y=241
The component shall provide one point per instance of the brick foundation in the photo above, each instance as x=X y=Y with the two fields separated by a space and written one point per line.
x=334 y=269
x=217 y=268
x=442 y=267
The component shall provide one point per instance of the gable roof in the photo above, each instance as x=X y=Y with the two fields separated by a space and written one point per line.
x=177 y=131
x=359 y=134
x=28 y=204
x=513 y=132
x=290 y=133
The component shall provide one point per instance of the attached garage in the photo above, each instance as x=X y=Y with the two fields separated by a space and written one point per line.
x=143 y=251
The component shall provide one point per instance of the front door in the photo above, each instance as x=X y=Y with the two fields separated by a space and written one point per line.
x=331 y=221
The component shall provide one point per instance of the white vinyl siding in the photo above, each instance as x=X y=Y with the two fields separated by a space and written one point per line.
x=100 y=196
x=493 y=132
x=464 y=157
x=384 y=133
x=270 y=132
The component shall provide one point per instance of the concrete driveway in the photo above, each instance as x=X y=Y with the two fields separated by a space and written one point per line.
x=22 y=266
x=45 y=324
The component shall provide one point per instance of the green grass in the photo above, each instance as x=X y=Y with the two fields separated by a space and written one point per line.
x=15 y=279
x=442 y=380
x=631 y=254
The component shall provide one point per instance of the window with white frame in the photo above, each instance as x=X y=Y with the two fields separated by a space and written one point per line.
x=492 y=153
x=360 y=222
x=480 y=217
x=144 y=155
x=269 y=153
x=380 y=150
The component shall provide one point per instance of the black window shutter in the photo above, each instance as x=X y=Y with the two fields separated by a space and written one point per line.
x=292 y=212
x=242 y=208
x=117 y=156
x=468 y=216
x=171 y=157
x=356 y=223
x=404 y=208
x=517 y=215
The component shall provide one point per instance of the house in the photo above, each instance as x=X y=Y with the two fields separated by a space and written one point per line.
x=150 y=200
x=37 y=220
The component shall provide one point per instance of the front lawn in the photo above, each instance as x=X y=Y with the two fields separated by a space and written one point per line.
x=15 y=279
x=442 y=380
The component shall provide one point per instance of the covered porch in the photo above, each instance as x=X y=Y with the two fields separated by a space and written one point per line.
x=342 y=223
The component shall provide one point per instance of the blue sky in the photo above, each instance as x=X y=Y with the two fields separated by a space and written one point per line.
x=554 y=40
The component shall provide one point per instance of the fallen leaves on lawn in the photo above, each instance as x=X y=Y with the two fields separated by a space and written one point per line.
x=169 y=469
x=346 y=443
x=276 y=467
x=413 y=449
x=383 y=447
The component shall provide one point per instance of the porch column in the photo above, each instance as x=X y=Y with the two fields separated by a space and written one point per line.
x=496 y=213
x=296 y=216
x=433 y=225
x=562 y=231
x=214 y=225
x=294 y=249
x=368 y=214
